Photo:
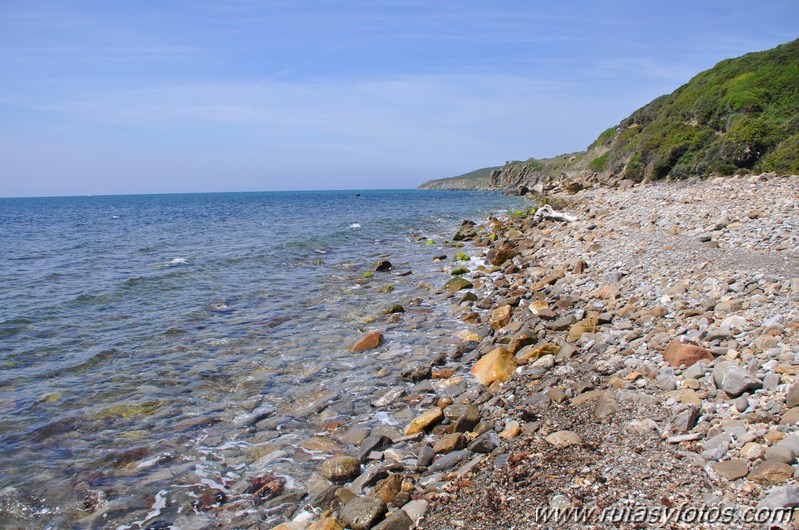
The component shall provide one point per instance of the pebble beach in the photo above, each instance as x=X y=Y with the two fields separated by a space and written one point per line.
x=627 y=359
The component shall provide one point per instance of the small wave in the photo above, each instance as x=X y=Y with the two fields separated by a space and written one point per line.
x=177 y=261
x=219 y=306
x=85 y=298
x=355 y=226
x=13 y=326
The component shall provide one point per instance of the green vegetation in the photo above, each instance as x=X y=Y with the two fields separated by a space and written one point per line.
x=738 y=116
x=599 y=163
x=741 y=116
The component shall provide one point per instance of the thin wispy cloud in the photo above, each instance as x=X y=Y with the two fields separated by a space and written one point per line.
x=335 y=94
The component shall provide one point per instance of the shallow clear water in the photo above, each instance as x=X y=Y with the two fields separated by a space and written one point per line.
x=141 y=337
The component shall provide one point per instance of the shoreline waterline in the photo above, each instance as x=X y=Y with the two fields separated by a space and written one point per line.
x=190 y=388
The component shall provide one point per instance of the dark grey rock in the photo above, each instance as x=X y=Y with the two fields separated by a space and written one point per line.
x=450 y=460
x=734 y=379
x=374 y=442
x=362 y=513
x=684 y=418
x=324 y=498
x=485 y=443
x=416 y=371
x=383 y=266
x=425 y=457
x=399 y=520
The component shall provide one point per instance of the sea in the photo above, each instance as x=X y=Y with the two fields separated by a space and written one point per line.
x=157 y=352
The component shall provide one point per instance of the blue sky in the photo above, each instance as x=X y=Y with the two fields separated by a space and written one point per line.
x=106 y=97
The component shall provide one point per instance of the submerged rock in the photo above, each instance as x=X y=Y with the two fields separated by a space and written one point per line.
x=383 y=266
x=341 y=468
x=416 y=371
x=458 y=284
x=362 y=513
x=369 y=341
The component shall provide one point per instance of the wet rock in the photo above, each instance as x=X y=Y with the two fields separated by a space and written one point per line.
x=383 y=266
x=425 y=457
x=374 y=442
x=398 y=520
x=389 y=397
x=369 y=477
x=677 y=354
x=530 y=354
x=341 y=468
x=564 y=438
x=485 y=443
x=458 y=284
x=498 y=256
x=500 y=317
x=496 y=365
x=283 y=526
x=393 y=309
x=369 y=341
x=519 y=341
x=416 y=371
x=362 y=513
x=771 y=472
x=731 y=469
x=388 y=488
x=450 y=460
x=326 y=523
x=355 y=435
x=449 y=443
x=734 y=379
x=416 y=509
x=424 y=420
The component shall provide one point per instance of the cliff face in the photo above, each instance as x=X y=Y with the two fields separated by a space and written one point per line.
x=568 y=172
x=740 y=116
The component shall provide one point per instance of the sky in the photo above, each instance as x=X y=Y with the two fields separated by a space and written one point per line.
x=162 y=96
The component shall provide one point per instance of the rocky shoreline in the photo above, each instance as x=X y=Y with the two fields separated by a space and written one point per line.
x=626 y=351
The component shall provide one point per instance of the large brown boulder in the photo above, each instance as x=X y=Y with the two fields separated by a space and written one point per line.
x=498 y=256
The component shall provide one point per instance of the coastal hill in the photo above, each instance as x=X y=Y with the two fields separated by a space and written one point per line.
x=738 y=117
x=478 y=179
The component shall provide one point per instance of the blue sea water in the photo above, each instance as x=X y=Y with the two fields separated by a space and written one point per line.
x=153 y=345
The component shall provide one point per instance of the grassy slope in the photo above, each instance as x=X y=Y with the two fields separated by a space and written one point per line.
x=741 y=115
